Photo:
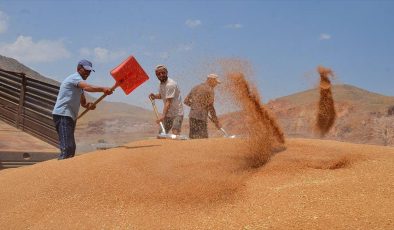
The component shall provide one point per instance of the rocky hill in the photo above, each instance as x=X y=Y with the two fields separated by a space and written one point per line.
x=10 y=64
x=362 y=116
x=113 y=124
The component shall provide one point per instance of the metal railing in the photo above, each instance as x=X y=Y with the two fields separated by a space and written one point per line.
x=27 y=104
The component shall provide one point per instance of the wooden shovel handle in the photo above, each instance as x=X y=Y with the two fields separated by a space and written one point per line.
x=154 y=107
x=98 y=100
x=157 y=115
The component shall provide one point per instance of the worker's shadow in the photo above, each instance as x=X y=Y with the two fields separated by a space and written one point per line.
x=136 y=147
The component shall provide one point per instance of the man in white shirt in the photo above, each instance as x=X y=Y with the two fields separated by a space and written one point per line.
x=169 y=92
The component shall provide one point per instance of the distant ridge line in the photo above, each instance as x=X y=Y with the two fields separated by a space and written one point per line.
x=12 y=72
x=14 y=66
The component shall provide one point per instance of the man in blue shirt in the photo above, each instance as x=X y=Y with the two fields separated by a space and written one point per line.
x=70 y=98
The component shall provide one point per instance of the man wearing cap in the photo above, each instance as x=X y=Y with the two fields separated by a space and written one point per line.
x=169 y=92
x=201 y=99
x=71 y=96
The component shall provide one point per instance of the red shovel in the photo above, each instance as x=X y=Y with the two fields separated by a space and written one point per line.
x=128 y=75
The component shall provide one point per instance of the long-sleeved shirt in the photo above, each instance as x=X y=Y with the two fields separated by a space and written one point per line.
x=201 y=99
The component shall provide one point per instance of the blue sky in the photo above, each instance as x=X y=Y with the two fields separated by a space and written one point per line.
x=283 y=41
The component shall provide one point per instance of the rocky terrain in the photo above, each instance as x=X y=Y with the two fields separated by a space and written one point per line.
x=362 y=116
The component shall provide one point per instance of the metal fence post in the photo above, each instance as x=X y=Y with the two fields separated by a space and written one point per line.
x=20 y=117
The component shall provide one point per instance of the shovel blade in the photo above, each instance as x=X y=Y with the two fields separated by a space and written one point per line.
x=129 y=75
x=172 y=136
x=225 y=134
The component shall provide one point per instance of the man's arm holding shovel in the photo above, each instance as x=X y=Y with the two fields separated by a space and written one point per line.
x=212 y=116
x=91 y=88
x=188 y=100
x=153 y=96
x=167 y=106
x=94 y=89
x=85 y=104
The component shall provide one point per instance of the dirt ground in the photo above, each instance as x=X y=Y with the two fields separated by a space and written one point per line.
x=205 y=184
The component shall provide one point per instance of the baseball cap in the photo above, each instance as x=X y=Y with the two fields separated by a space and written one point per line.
x=86 y=64
x=214 y=76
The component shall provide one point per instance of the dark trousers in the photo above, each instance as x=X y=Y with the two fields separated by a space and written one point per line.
x=198 y=129
x=174 y=123
x=65 y=127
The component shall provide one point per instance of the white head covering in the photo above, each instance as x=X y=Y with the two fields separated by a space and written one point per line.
x=160 y=67
x=214 y=77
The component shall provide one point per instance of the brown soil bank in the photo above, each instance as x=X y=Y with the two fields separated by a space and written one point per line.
x=204 y=184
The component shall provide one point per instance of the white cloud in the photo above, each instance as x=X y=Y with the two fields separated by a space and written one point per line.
x=147 y=53
x=3 y=22
x=24 y=49
x=185 y=47
x=101 y=55
x=85 y=52
x=164 y=55
x=325 y=37
x=193 y=23
x=151 y=37
x=234 y=26
x=148 y=37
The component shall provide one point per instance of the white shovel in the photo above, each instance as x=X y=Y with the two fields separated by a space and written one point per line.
x=163 y=134
x=225 y=134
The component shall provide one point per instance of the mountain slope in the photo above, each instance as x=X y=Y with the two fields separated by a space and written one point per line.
x=362 y=116
x=342 y=93
x=13 y=65
x=113 y=123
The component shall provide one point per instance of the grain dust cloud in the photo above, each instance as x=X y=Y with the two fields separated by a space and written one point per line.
x=263 y=131
x=326 y=113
